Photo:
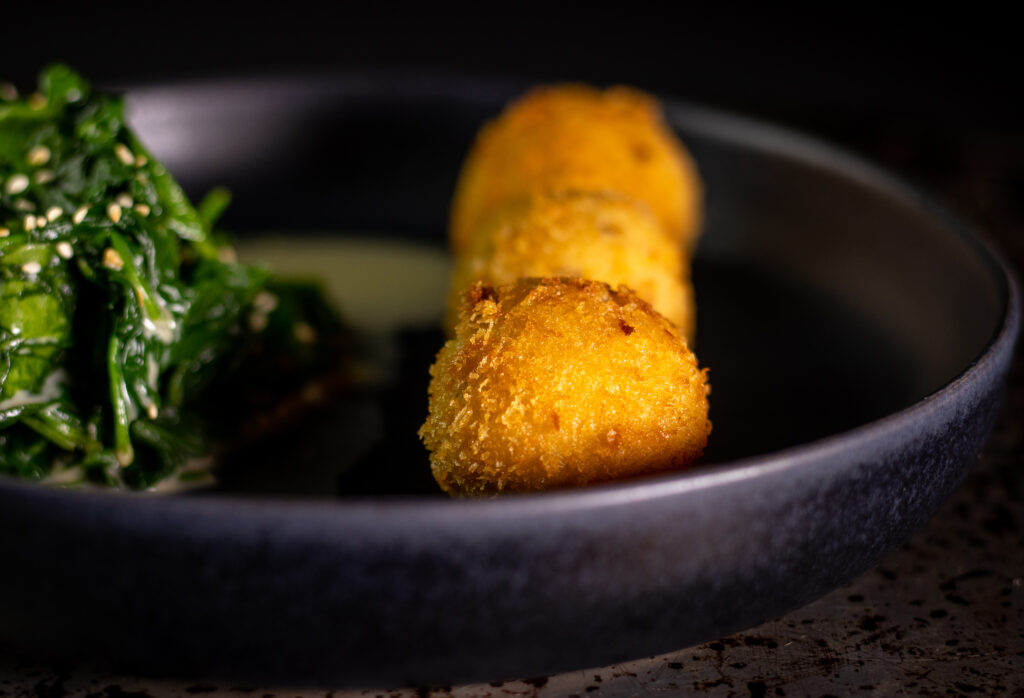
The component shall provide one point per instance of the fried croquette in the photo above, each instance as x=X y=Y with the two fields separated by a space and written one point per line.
x=577 y=137
x=599 y=236
x=561 y=382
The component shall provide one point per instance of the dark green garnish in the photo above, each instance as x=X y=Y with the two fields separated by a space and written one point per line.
x=130 y=338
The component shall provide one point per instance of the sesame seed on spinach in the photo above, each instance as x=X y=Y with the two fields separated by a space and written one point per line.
x=131 y=340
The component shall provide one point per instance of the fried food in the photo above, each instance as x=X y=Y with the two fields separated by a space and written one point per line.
x=561 y=382
x=576 y=137
x=600 y=236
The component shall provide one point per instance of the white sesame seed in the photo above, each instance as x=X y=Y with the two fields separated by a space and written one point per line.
x=73 y=95
x=64 y=249
x=142 y=209
x=124 y=154
x=36 y=100
x=43 y=176
x=152 y=411
x=16 y=184
x=24 y=205
x=53 y=213
x=140 y=160
x=30 y=222
x=31 y=267
x=111 y=259
x=124 y=200
x=124 y=455
x=80 y=215
x=114 y=212
x=4 y=232
x=257 y=321
x=304 y=333
x=312 y=392
x=40 y=155
x=265 y=301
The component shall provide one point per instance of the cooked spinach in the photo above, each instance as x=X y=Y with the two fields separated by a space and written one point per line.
x=131 y=339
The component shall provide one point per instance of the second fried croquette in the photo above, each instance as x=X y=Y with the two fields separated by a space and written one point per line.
x=592 y=235
x=577 y=137
x=558 y=383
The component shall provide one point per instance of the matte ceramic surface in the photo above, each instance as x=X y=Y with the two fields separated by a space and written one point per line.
x=858 y=340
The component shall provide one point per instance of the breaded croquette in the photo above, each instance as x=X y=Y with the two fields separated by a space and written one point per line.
x=576 y=137
x=561 y=382
x=600 y=236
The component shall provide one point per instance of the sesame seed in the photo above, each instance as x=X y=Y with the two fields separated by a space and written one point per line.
x=124 y=455
x=141 y=160
x=40 y=155
x=304 y=333
x=124 y=200
x=64 y=249
x=31 y=267
x=257 y=321
x=112 y=260
x=8 y=91
x=152 y=411
x=36 y=100
x=16 y=184
x=265 y=301
x=80 y=215
x=53 y=213
x=43 y=176
x=227 y=255
x=312 y=392
x=24 y=205
x=142 y=209
x=30 y=222
x=4 y=232
x=114 y=212
x=73 y=95
x=124 y=154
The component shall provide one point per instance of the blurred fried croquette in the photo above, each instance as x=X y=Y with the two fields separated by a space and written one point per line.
x=561 y=382
x=577 y=137
x=600 y=236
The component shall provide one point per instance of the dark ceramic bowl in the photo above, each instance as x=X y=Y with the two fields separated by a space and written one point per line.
x=858 y=340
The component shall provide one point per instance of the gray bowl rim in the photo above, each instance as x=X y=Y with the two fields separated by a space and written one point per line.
x=410 y=512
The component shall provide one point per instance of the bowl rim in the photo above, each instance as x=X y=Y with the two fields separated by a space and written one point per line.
x=716 y=122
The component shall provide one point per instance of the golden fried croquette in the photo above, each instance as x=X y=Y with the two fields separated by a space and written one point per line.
x=577 y=137
x=561 y=382
x=592 y=235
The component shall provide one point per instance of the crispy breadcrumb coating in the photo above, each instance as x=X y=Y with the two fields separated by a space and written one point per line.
x=558 y=383
x=576 y=137
x=600 y=236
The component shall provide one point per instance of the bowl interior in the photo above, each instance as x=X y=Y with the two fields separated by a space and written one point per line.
x=828 y=295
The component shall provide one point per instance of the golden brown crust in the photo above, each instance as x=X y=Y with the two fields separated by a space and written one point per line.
x=600 y=236
x=576 y=137
x=561 y=382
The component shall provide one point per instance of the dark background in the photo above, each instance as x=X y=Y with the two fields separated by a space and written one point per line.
x=936 y=68
x=933 y=95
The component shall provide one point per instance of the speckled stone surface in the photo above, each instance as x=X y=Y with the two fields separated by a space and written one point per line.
x=943 y=615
